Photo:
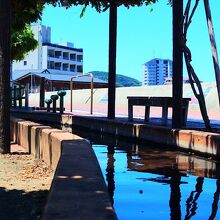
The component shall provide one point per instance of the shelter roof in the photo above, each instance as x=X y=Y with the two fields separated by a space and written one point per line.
x=52 y=76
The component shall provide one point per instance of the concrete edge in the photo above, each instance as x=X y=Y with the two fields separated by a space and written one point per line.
x=205 y=143
x=78 y=190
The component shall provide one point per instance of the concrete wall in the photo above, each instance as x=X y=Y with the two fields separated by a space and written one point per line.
x=78 y=190
x=42 y=141
x=206 y=143
x=81 y=99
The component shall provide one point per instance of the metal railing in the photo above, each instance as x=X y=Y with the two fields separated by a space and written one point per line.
x=71 y=91
x=18 y=93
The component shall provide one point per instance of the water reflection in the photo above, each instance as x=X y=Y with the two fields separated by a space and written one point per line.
x=175 y=197
x=191 y=205
x=215 y=201
x=156 y=182
x=165 y=162
x=156 y=158
x=110 y=172
x=171 y=166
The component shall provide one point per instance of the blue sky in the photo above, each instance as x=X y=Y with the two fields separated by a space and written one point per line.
x=143 y=34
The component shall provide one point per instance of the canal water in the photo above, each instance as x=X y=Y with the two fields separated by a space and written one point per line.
x=146 y=181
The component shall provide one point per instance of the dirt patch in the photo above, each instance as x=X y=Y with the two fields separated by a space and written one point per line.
x=24 y=186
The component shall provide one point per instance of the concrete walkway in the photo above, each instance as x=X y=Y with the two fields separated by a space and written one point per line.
x=78 y=189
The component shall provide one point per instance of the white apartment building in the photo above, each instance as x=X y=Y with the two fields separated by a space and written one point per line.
x=156 y=71
x=54 y=57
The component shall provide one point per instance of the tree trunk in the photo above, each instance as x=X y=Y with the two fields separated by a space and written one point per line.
x=193 y=78
x=213 y=45
x=112 y=59
x=177 y=63
x=5 y=35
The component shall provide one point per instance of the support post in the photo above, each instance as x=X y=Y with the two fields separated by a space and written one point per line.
x=26 y=95
x=15 y=97
x=91 y=103
x=42 y=91
x=112 y=59
x=61 y=93
x=54 y=99
x=20 y=96
x=177 y=63
x=48 y=102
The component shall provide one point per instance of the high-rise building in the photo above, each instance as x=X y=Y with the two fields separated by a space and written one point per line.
x=156 y=71
x=57 y=58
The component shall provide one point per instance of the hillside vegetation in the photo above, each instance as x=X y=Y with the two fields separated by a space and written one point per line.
x=121 y=80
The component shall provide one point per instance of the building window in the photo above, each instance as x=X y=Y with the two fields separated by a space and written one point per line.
x=79 y=69
x=25 y=63
x=79 y=58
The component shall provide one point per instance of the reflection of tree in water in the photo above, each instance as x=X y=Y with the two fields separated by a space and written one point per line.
x=171 y=176
x=215 y=201
x=175 y=194
x=110 y=172
x=191 y=204
x=175 y=197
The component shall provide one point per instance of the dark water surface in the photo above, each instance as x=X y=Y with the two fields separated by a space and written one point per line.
x=156 y=182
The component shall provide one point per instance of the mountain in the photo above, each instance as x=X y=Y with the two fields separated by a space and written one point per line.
x=121 y=80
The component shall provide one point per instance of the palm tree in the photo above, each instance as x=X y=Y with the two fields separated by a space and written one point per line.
x=5 y=28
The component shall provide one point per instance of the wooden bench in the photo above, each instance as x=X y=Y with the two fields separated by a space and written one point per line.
x=164 y=102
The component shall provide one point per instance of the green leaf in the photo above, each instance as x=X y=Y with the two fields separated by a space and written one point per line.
x=83 y=11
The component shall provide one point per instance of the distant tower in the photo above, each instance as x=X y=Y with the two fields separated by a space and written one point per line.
x=156 y=71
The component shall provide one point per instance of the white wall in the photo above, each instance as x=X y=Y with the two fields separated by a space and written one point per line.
x=38 y=58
